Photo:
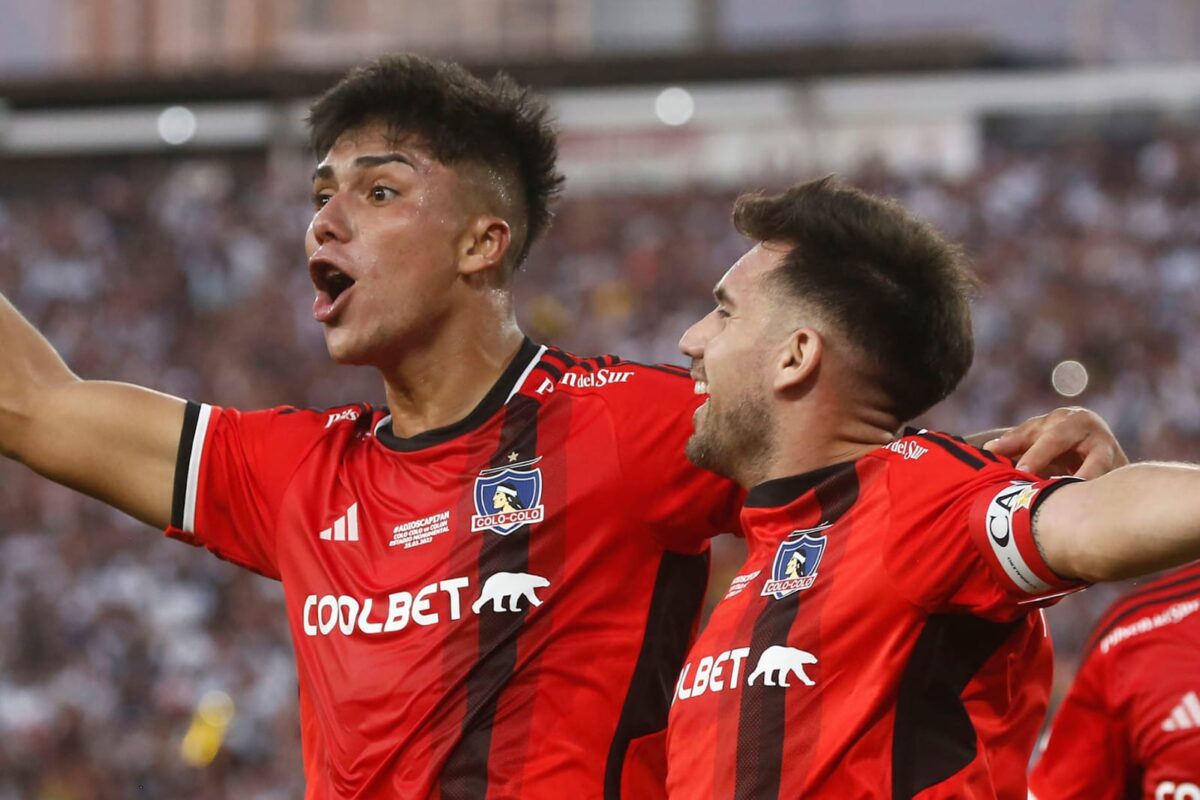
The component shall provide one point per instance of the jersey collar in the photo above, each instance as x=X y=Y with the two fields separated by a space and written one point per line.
x=502 y=391
x=782 y=491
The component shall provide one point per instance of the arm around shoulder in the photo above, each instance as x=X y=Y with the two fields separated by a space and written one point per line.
x=113 y=441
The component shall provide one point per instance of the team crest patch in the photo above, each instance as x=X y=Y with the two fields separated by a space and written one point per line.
x=508 y=497
x=796 y=561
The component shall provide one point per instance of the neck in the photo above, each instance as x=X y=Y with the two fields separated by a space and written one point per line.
x=821 y=436
x=442 y=380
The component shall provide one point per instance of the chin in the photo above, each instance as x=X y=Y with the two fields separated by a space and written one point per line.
x=700 y=451
x=343 y=351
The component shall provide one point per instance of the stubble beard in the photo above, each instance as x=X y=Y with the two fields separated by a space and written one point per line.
x=736 y=443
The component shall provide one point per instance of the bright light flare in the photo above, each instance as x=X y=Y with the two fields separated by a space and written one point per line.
x=176 y=125
x=1069 y=378
x=674 y=106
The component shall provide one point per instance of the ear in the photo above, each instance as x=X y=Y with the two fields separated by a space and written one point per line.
x=799 y=359
x=483 y=245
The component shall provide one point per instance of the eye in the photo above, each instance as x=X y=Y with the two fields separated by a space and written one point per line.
x=722 y=313
x=319 y=199
x=381 y=194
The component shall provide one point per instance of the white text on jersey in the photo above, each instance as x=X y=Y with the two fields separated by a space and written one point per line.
x=588 y=380
x=349 y=414
x=776 y=666
x=503 y=592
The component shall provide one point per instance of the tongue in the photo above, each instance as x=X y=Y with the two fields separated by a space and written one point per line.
x=323 y=306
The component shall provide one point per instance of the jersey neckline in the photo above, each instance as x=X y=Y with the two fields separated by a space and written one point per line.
x=782 y=491
x=502 y=391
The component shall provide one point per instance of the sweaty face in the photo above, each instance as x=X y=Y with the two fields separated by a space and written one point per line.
x=730 y=350
x=382 y=244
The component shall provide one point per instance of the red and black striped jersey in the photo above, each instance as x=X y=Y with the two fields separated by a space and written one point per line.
x=881 y=640
x=494 y=609
x=1130 y=725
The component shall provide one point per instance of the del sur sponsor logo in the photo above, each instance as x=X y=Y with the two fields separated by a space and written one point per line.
x=588 y=380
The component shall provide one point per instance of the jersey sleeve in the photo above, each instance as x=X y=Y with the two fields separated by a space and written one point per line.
x=232 y=472
x=683 y=504
x=961 y=538
x=1087 y=756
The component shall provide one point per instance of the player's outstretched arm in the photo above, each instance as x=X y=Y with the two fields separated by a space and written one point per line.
x=1133 y=521
x=113 y=441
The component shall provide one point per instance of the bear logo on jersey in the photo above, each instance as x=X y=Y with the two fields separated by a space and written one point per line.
x=508 y=497
x=796 y=560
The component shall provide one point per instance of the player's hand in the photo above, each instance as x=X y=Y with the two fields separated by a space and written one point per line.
x=1067 y=441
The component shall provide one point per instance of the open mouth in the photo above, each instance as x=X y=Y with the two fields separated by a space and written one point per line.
x=331 y=284
x=329 y=279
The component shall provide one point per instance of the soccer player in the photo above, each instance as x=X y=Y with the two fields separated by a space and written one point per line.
x=1130 y=726
x=882 y=638
x=490 y=584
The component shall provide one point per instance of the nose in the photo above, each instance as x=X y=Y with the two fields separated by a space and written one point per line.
x=329 y=223
x=691 y=344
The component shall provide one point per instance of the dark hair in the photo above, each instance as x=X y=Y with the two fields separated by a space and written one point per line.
x=889 y=283
x=458 y=117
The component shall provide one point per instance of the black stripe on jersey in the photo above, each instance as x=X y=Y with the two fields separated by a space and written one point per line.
x=568 y=361
x=183 y=460
x=678 y=372
x=762 y=717
x=465 y=774
x=553 y=371
x=678 y=595
x=948 y=444
x=1148 y=597
x=933 y=737
x=970 y=448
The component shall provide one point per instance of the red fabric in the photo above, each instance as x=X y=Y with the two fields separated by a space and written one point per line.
x=905 y=588
x=1108 y=739
x=384 y=706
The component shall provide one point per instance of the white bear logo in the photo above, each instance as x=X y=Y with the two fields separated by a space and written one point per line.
x=777 y=661
x=511 y=586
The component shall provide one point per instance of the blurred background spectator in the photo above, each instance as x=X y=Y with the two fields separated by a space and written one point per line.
x=164 y=248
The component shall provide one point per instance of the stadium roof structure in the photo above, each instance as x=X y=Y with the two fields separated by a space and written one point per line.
x=911 y=55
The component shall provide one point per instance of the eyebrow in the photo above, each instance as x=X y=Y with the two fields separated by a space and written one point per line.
x=722 y=296
x=325 y=171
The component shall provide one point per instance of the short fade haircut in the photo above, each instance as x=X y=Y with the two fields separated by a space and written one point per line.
x=459 y=118
x=887 y=281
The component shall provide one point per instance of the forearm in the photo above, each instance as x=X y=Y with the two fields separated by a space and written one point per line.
x=28 y=363
x=113 y=441
x=1133 y=521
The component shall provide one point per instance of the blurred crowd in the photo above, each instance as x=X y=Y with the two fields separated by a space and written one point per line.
x=188 y=275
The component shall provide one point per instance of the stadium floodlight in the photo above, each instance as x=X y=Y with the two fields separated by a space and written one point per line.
x=674 y=106
x=176 y=125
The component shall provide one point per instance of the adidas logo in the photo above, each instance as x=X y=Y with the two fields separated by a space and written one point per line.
x=1185 y=716
x=345 y=529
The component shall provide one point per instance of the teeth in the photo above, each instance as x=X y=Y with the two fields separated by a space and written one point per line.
x=701 y=387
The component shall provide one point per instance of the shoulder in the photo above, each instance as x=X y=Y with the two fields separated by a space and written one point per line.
x=290 y=424
x=1153 y=607
x=932 y=457
x=611 y=377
